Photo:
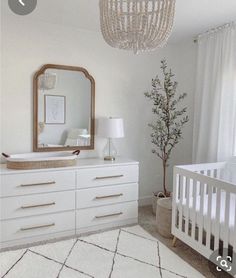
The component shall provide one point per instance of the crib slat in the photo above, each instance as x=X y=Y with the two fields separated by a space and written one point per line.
x=198 y=187
x=177 y=180
x=212 y=173
x=217 y=219
x=209 y=218
x=187 y=185
x=218 y=171
x=194 y=209
x=184 y=188
x=226 y=222
x=234 y=229
x=205 y=173
x=175 y=199
x=201 y=218
x=181 y=192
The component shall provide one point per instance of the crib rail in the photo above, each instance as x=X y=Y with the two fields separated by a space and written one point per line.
x=204 y=208
x=218 y=166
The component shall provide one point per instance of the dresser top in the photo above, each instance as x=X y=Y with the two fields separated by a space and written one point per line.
x=82 y=163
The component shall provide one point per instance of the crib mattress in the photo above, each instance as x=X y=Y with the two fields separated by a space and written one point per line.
x=232 y=209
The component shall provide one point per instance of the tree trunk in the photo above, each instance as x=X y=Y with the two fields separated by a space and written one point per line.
x=164 y=177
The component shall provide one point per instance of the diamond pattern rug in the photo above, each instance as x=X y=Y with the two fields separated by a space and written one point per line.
x=122 y=253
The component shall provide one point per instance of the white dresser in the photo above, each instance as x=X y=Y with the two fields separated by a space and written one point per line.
x=45 y=204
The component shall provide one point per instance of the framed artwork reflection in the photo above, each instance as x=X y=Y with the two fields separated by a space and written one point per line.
x=54 y=109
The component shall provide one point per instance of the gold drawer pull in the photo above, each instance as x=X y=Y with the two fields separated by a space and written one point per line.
x=38 y=206
x=38 y=184
x=37 y=227
x=109 y=196
x=109 y=215
x=109 y=177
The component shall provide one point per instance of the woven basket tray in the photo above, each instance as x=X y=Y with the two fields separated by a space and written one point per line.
x=28 y=165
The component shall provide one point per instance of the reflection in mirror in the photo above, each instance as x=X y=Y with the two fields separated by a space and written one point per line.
x=64 y=110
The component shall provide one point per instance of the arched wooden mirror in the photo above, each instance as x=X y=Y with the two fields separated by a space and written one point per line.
x=64 y=108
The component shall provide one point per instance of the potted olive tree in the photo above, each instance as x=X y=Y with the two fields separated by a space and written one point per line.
x=168 y=122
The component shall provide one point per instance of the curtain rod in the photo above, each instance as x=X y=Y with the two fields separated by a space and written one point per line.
x=214 y=30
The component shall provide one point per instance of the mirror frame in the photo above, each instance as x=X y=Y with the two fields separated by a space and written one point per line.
x=35 y=108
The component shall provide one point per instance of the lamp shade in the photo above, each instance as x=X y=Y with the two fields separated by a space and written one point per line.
x=110 y=127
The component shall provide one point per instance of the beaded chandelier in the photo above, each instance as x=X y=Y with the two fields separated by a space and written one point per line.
x=137 y=25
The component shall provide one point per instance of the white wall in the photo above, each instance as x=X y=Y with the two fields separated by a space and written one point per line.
x=121 y=80
x=183 y=62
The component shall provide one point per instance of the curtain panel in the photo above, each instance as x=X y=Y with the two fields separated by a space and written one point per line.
x=215 y=99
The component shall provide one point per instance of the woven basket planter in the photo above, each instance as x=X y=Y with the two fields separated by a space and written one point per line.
x=164 y=216
x=155 y=197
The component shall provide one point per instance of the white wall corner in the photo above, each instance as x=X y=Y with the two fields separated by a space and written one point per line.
x=145 y=201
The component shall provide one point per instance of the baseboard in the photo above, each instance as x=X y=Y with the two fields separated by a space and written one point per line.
x=34 y=241
x=103 y=227
x=145 y=201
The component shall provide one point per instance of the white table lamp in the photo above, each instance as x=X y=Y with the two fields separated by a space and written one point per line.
x=110 y=128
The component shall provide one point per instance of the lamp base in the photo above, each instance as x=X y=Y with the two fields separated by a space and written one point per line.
x=109 y=158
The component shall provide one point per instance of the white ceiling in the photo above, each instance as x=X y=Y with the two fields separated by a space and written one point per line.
x=192 y=16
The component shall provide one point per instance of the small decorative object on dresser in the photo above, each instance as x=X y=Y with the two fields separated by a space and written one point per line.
x=110 y=128
x=166 y=129
x=51 y=203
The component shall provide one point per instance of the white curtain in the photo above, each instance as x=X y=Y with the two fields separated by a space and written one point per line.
x=215 y=99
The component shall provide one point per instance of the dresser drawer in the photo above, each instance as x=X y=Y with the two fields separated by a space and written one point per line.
x=107 y=176
x=29 y=205
x=31 y=183
x=99 y=196
x=106 y=214
x=37 y=225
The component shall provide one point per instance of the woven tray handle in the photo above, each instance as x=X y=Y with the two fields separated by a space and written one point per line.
x=76 y=152
x=5 y=155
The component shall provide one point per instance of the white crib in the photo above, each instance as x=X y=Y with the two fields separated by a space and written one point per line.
x=204 y=206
